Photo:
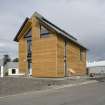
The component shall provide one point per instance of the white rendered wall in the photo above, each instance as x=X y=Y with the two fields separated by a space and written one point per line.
x=10 y=71
x=1 y=71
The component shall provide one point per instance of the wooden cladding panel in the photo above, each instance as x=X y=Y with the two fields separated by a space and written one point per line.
x=68 y=56
x=73 y=58
x=44 y=57
x=43 y=52
x=77 y=65
x=60 y=57
x=35 y=29
x=22 y=56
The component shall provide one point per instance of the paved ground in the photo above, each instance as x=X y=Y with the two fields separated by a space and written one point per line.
x=88 y=94
x=10 y=85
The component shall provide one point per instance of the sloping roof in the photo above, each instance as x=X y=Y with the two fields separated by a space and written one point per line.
x=54 y=27
x=12 y=65
x=25 y=21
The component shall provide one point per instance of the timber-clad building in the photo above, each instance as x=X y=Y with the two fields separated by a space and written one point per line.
x=46 y=50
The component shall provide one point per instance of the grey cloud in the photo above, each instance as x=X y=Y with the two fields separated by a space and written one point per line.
x=84 y=19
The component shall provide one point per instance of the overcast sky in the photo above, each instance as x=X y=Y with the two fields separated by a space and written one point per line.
x=84 y=19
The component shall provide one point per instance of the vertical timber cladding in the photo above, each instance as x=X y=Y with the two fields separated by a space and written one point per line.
x=77 y=65
x=22 y=56
x=72 y=58
x=60 y=57
x=44 y=53
x=23 y=49
x=63 y=57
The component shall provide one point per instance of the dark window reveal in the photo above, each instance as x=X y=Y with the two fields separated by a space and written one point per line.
x=81 y=54
x=13 y=71
x=43 y=31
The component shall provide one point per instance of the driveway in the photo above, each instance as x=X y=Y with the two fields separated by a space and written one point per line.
x=11 y=85
x=87 y=94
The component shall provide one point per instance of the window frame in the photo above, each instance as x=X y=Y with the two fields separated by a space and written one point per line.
x=28 y=38
x=44 y=34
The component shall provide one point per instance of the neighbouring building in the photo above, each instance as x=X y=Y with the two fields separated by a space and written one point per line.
x=46 y=50
x=12 y=68
x=1 y=68
x=9 y=69
x=96 y=67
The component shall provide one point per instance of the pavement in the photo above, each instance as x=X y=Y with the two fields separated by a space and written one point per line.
x=90 y=93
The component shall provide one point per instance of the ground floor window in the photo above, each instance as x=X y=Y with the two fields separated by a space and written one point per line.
x=13 y=71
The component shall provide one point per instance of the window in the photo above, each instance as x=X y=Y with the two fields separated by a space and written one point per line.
x=43 y=31
x=81 y=54
x=29 y=49
x=29 y=45
x=13 y=71
x=28 y=37
x=28 y=34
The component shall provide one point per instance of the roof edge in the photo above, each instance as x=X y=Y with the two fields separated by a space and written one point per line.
x=15 y=39
x=64 y=33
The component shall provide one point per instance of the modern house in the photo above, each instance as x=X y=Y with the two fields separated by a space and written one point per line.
x=46 y=50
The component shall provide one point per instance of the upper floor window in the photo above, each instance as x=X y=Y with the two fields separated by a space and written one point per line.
x=43 y=31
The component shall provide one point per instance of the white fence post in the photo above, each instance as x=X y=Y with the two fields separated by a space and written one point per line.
x=2 y=74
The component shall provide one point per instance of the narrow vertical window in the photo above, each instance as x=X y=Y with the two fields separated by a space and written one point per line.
x=28 y=38
x=65 y=57
x=81 y=54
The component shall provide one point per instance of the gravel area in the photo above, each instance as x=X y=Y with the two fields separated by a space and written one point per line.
x=12 y=85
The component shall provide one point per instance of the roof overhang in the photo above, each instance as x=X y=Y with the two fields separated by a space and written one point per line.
x=58 y=30
x=22 y=26
x=51 y=26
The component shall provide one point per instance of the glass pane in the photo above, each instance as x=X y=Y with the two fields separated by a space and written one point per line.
x=43 y=31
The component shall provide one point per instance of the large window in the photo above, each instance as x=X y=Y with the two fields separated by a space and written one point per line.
x=43 y=31
x=29 y=48
x=28 y=38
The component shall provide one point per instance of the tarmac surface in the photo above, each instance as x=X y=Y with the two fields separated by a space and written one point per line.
x=85 y=94
x=11 y=85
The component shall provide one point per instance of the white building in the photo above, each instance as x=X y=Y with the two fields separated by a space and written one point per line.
x=1 y=68
x=10 y=69
x=97 y=67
